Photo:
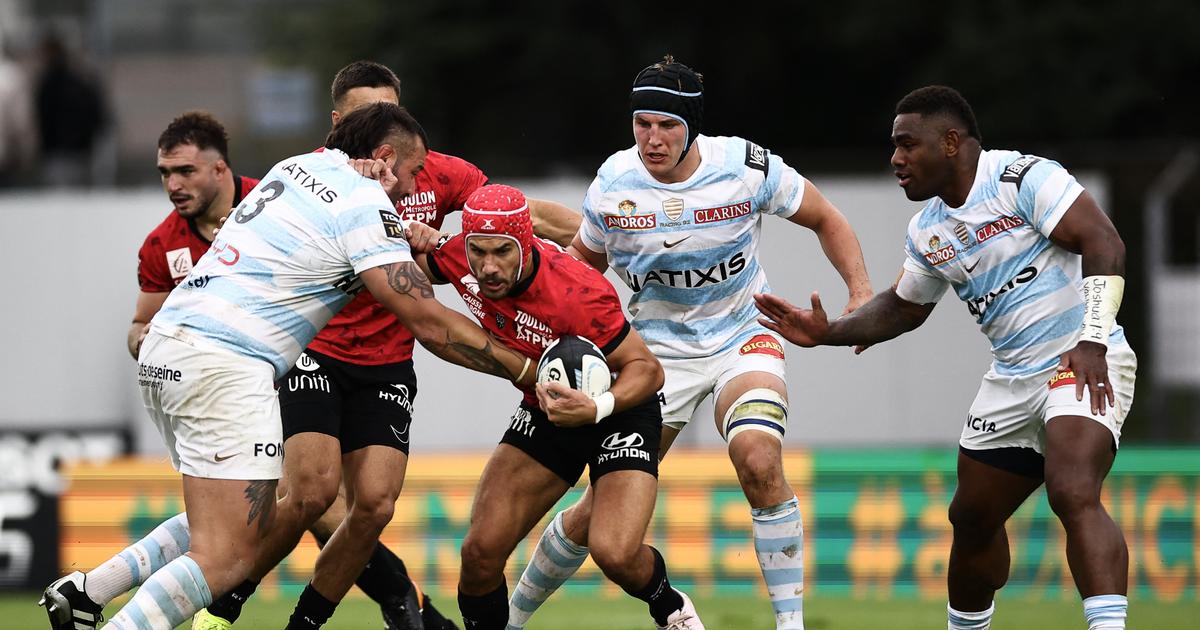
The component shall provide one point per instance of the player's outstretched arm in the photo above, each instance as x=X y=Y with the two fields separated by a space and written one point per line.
x=554 y=221
x=148 y=304
x=1086 y=230
x=585 y=253
x=639 y=377
x=405 y=290
x=884 y=317
x=838 y=241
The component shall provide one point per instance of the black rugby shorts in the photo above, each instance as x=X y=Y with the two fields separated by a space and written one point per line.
x=623 y=441
x=360 y=405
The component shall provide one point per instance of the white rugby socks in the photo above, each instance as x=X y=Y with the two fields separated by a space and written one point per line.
x=779 y=541
x=958 y=620
x=170 y=597
x=554 y=561
x=1106 y=612
x=138 y=561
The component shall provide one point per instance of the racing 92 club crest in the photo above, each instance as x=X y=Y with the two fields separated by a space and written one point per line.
x=628 y=219
x=939 y=254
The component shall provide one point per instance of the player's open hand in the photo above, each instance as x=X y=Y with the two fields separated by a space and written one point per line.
x=1087 y=360
x=801 y=326
x=421 y=238
x=379 y=171
x=566 y=407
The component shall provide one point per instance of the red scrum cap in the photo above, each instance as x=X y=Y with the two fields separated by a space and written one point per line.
x=499 y=210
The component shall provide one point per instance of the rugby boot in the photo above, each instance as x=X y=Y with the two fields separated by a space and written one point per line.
x=205 y=620
x=686 y=618
x=403 y=613
x=68 y=606
x=433 y=618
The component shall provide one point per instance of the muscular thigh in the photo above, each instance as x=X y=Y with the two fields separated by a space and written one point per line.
x=514 y=492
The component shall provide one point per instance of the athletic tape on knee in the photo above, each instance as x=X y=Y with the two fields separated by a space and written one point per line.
x=758 y=409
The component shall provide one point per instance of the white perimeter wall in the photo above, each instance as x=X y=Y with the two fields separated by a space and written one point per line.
x=69 y=285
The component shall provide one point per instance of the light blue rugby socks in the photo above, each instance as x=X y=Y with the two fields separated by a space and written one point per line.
x=554 y=561
x=170 y=597
x=779 y=543
x=139 y=561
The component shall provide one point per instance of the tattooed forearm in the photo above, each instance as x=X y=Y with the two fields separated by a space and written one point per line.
x=479 y=359
x=261 y=495
x=405 y=277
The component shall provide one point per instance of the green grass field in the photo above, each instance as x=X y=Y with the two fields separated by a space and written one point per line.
x=18 y=612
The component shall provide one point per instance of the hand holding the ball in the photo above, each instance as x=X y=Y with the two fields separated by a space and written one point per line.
x=566 y=407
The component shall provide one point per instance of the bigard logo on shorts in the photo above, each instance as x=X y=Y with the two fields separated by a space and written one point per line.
x=1062 y=378
x=762 y=344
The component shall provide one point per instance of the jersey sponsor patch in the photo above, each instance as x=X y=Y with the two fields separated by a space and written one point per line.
x=756 y=158
x=723 y=213
x=1062 y=378
x=1000 y=226
x=391 y=224
x=1014 y=173
x=762 y=344
x=179 y=262
x=673 y=208
x=939 y=255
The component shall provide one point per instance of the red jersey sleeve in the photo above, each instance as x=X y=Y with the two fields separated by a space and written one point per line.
x=153 y=275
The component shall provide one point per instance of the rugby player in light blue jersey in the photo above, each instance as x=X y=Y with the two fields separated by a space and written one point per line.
x=1040 y=267
x=678 y=216
x=295 y=251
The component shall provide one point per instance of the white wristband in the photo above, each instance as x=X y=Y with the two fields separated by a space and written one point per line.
x=1101 y=301
x=604 y=405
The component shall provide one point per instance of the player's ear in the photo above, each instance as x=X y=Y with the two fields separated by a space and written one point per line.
x=384 y=152
x=950 y=142
x=334 y=117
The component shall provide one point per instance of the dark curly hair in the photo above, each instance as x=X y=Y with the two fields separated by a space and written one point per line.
x=363 y=74
x=364 y=129
x=939 y=99
x=199 y=129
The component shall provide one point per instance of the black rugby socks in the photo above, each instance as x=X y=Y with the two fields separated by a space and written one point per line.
x=485 y=612
x=663 y=599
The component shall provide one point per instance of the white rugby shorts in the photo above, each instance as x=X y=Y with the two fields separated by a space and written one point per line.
x=217 y=410
x=1012 y=411
x=689 y=381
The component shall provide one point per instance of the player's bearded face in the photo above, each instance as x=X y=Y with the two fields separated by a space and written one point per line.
x=660 y=141
x=495 y=260
x=190 y=178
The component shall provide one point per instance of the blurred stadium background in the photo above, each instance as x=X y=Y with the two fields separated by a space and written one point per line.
x=536 y=95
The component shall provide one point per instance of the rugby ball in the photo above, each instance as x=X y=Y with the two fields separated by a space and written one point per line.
x=576 y=363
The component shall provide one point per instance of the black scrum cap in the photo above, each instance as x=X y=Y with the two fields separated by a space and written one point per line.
x=669 y=88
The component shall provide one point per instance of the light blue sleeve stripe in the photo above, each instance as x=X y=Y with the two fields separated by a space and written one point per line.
x=360 y=217
x=1046 y=283
x=1048 y=329
x=400 y=246
x=1032 y=183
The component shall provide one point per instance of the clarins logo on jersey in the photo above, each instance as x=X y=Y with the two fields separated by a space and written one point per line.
x=690 y=278
x=938 y=254
x=532 y=330
x=724 y=213
x=179 y=262
x=762 y=344
x=627 y=220
x=998 y=227
x=978 y=305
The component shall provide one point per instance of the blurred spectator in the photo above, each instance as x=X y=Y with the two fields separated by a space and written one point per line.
x=71 y=116
x=17 y=137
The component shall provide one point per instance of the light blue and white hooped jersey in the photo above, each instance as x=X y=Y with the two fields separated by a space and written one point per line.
x=689 y=250
x=995 y=250
x=287 y=260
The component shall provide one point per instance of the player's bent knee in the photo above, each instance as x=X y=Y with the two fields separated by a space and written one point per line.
x=616 y=560
x=759 y=409
x=973 y=520
x=374 y=514
x=481 y=558
x=1068 y=498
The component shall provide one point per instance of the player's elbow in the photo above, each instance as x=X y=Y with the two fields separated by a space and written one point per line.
x=656 y=376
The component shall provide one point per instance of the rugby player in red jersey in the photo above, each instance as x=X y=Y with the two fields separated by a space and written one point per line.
x=347 y=404
x=193 y=160
x=527 y=292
